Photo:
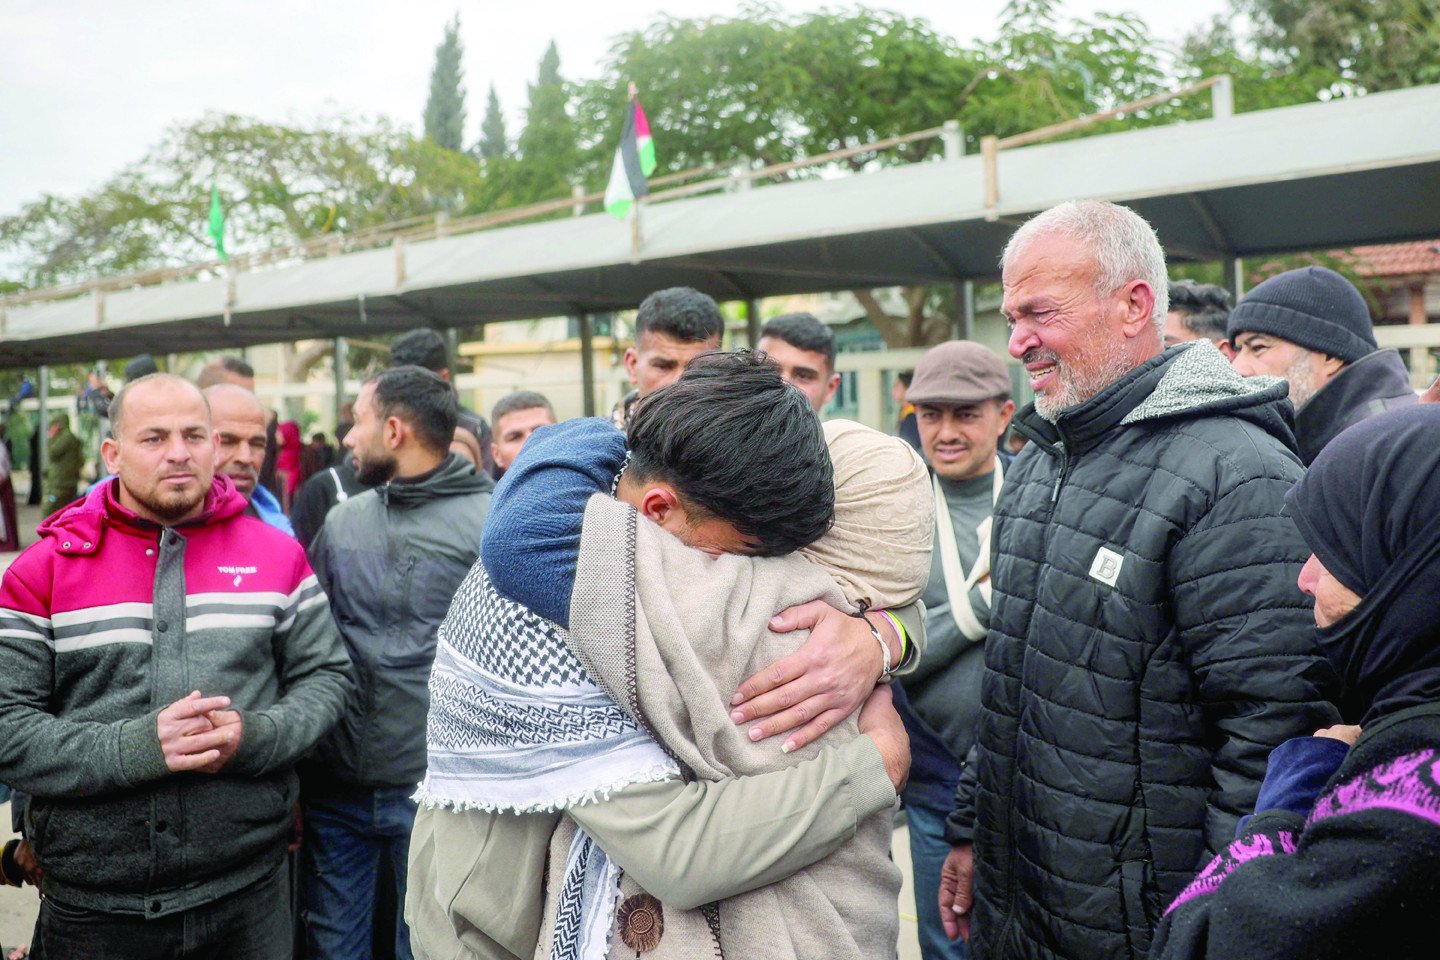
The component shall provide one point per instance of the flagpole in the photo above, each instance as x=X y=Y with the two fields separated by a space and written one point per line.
x=229 y=290
x=635 y=236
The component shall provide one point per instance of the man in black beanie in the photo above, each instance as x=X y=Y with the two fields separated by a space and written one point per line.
x=1312 y=327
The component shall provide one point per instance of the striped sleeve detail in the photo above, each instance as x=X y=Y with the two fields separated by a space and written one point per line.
x=18 y=625
x=230 y=611
x=307 y=595
x=270 y=600
x=101 y=625
x=102 y=638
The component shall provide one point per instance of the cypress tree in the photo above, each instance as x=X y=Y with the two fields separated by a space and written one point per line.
x=548 y=144
x=493 y=142
x=445 y=110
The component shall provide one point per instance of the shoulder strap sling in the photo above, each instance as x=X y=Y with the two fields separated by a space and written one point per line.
x=957 y=582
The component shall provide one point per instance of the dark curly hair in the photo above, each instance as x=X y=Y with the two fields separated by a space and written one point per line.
x=1203 y=307
x=738 y=444
x=680 y=313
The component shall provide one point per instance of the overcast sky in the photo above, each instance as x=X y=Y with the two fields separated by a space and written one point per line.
x=86 y=86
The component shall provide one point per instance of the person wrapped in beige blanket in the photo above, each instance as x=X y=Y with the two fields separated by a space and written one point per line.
x=661 y=629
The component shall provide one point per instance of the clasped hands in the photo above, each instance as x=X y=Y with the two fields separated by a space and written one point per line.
x=198 y=734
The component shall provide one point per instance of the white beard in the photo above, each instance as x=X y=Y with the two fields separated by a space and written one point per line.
x=1077 y=387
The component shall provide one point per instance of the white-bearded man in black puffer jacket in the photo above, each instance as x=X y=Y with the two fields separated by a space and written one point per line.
x=1147 y=645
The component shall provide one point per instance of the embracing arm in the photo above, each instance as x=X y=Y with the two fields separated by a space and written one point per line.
x=531 y=543
x=831 y=675
x=701 y=842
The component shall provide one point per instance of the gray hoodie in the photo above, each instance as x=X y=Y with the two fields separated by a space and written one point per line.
x=391 y=559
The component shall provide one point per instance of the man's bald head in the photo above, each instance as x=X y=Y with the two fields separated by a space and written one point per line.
x=238 y=419
x=155 y=381
x=234 y=400
x=226 y=370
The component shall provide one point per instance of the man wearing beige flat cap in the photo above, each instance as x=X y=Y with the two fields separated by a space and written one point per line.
x=961 y=392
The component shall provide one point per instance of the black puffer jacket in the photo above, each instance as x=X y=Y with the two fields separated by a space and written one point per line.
x=1148 y=646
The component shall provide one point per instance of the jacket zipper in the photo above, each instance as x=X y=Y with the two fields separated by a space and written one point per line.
x=1013 y=879
x=1060 y=476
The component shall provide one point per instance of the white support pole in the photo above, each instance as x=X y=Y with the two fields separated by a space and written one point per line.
x=1222 y=99
x=968 y=315
x=1235 y=277
x=953 y=137
x=342 y=373
x=42 y=457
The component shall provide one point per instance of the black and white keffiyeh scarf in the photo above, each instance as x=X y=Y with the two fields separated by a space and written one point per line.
x=517 y=725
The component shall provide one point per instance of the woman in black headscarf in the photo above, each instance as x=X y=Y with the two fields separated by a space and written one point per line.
x=1356 y=872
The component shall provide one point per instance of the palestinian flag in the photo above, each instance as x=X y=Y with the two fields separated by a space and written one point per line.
x=634 y=161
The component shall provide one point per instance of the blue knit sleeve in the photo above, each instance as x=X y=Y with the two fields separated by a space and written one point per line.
x=1297 y=771
x=531 y=542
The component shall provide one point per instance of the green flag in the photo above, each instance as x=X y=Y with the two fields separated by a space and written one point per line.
x=217 y=222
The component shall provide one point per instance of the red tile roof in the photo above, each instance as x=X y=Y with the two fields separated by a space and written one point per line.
x=1395 y=259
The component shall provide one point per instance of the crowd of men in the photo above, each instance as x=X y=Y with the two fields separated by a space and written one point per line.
x=659 y=688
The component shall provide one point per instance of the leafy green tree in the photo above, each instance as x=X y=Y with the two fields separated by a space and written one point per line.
x=281 y=183
x=1370 y=45
x=445 y=109
x=1262 y=80
x=770 y=88
x=493 y=141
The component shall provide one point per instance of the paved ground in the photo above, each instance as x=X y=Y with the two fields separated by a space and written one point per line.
x=18 y=907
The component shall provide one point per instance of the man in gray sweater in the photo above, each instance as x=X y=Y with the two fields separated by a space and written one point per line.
x=164 y=661
x=390 y=559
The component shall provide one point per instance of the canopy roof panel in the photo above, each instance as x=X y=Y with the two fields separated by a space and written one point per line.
x=1316 y=176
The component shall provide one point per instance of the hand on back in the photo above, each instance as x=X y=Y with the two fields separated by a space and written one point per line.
x=880 y=722
x=817 y=686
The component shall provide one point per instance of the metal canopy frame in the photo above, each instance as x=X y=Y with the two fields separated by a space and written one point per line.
x=1316 y=176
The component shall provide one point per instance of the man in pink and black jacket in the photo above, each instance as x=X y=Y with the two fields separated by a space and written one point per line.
x=164 y=661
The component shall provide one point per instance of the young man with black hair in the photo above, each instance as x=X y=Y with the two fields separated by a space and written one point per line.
x=672 y=328
x=729 y=459
x=515 y=417
x=423 y=347
x=805 y=350
x=390 y=560
x=1198 y=311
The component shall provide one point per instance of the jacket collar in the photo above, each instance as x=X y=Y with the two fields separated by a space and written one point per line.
x=1081 y=427
x=453 y=477
x=1186 y=381
x=79 y=529
x=1353 y=394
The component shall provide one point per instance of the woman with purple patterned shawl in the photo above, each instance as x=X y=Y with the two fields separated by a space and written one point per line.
x=1342 y=858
